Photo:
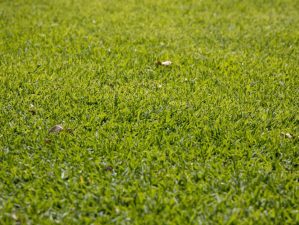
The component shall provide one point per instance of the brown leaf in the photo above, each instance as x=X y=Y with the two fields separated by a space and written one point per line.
x=32 y=110
x=14 y=216
x=165 y=63
x=286 y=135
x=56 y=129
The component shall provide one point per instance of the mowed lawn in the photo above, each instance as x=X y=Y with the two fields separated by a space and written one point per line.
x=212 y=138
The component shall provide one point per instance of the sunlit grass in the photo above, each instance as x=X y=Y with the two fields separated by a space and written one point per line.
x=210 y=139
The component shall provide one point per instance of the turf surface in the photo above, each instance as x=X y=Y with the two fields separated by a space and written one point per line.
x=210 y=139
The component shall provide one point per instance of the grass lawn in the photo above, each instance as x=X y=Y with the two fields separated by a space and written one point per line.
x=211 y=139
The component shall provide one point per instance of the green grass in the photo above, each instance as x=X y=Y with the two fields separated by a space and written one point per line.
x=198 y=142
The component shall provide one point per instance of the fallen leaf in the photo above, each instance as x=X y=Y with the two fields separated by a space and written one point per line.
x=14 y=216
x=56 y=129
x=165 y=63
x=286 y=135
x=32 y=109
x=64 y=175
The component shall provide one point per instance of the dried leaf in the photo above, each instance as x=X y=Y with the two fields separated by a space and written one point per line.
x=286 y=135
x=165 y=63
x=56 y=129
x=64 y=175
x=32 y=110
x=14 y=216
